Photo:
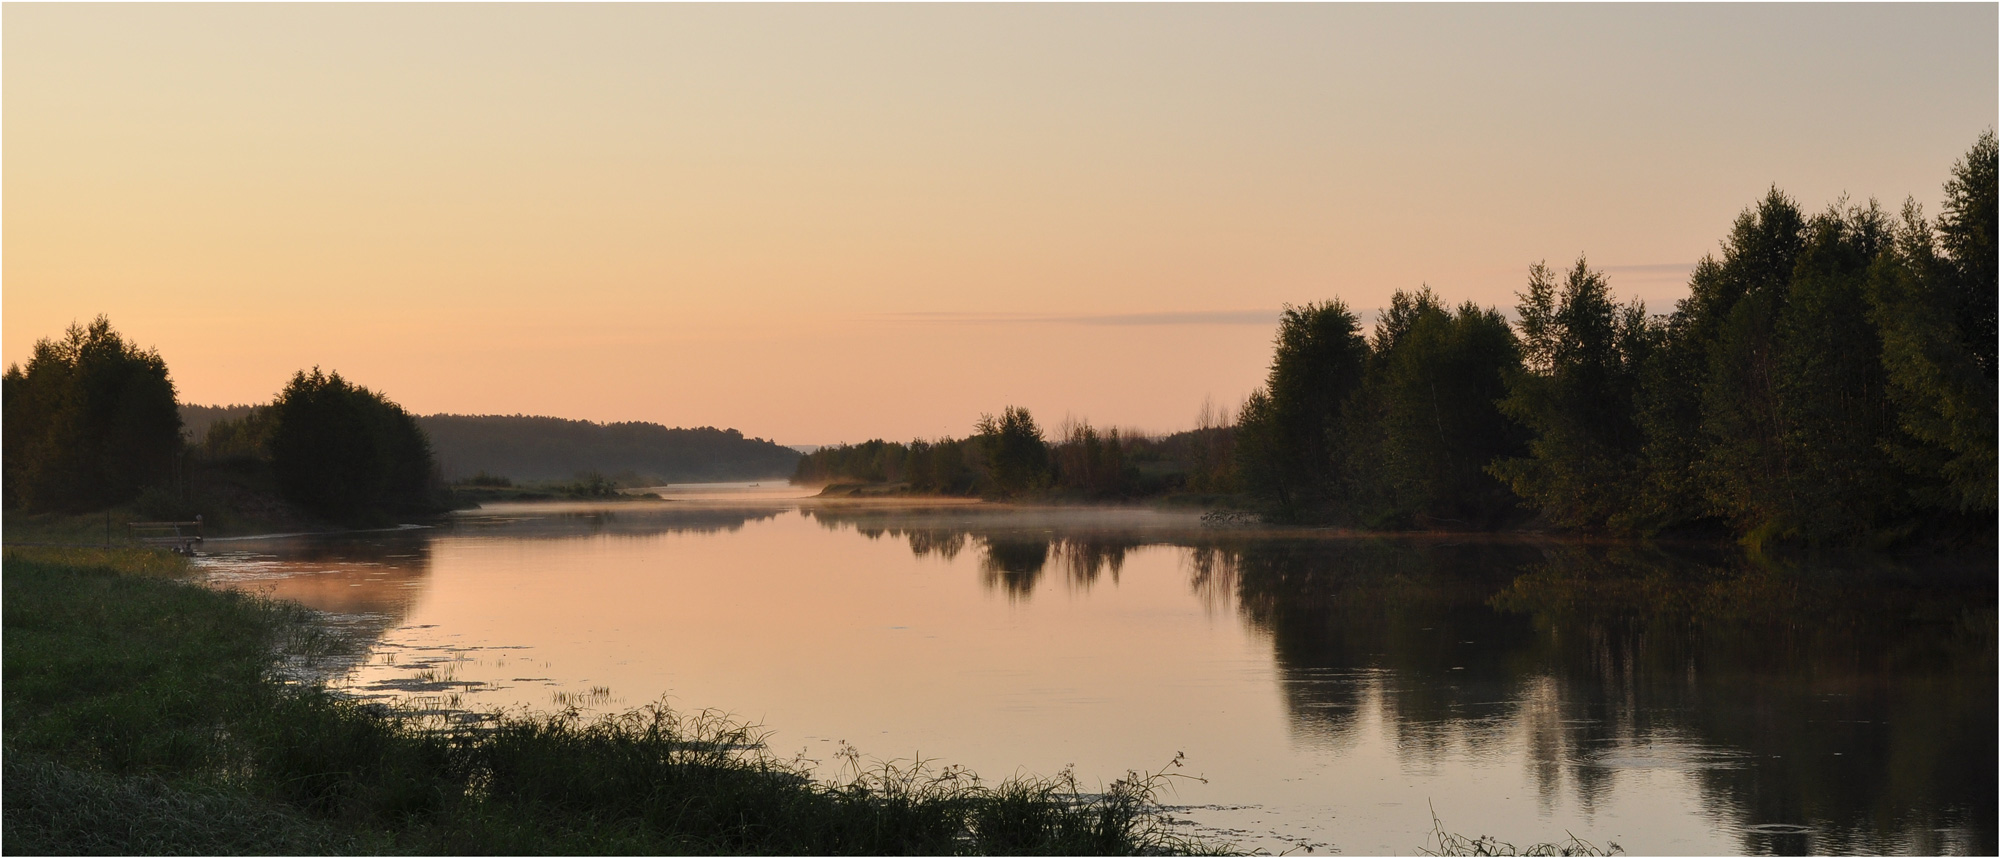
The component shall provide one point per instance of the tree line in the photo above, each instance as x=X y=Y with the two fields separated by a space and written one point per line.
x=1830 y=378
x=549 y=448
x=92 y=421
x=1011 y=456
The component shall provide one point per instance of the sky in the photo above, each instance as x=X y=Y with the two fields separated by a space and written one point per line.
x=827 y=223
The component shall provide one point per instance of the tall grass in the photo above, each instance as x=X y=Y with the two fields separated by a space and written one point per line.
x=1451 y=844
x=136 y=702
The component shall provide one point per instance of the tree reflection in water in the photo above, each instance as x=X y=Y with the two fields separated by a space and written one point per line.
x=1827 y=705
x=1013 y=564
x=1821 y=705
x=1824 y=706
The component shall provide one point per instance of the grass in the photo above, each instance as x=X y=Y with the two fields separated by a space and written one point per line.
x=144 y=715
x=55 y=809
x=1485 y=845
x=94 y=529
x=224 y=514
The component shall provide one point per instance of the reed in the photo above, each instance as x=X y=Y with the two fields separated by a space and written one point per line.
x=1448 y=843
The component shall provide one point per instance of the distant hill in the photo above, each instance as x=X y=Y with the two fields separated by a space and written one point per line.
x=551 y=448
x=529 y=449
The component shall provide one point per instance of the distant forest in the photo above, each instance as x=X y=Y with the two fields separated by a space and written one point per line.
x=1830 y=379
x=533 y=449
x=551 y=448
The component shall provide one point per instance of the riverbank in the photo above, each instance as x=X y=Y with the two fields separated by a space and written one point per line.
x=143 y=715
x=1948 y=538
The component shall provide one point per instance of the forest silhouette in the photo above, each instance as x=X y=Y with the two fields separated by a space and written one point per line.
x=1828 y=380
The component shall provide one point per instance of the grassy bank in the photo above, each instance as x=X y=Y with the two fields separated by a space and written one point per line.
x=233 y=498
x=142 y=716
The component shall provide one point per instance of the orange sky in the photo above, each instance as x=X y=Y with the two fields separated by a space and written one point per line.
x=825 y=223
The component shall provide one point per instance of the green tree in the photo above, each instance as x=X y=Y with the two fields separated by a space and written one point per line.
x=90 y=422
x=245 y=438
x=348 y=453
x=1708 y=401
x=1582 y=355
x=1016 y=456
x=1932 y=297
x=1291 y=433
x=1433 y=395
x=1741 y=413
x=944 y=466
x=1668 y=411
x=1833 y=414
x=1261 y=458
x=1966 y=235
x=1090 y=463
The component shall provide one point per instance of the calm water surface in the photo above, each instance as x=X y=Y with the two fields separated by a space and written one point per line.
x=1334 y=692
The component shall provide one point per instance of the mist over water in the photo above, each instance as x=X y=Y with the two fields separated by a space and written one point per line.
x=1332 y=691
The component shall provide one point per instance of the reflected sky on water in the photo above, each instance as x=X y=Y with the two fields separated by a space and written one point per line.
x=1333 y=691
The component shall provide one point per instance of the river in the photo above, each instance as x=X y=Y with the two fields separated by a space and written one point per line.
x=1331 y=693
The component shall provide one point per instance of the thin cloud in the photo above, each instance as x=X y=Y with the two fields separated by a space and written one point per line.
x=1196 y=317
x=1654 y=268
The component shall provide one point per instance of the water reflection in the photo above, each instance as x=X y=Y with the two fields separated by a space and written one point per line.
x=377 y=574
x=1012 y=557
x=623 y=519
x=944 y=544
x=364 y=583
x=1013 y=564
x=1088 y=559
x=1814 y=706
x=1826 y=708
x=1368 y=627
x=1854 y=698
